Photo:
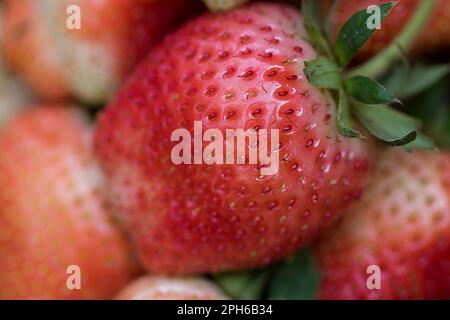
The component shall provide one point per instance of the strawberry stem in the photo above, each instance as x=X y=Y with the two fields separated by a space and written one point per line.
x=381 y=62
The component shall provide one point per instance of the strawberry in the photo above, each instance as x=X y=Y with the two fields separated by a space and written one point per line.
x=163 y=288
x=401 y=225
x=239 y=70
x=53 y=215
x=435 y=36
x=86 y=63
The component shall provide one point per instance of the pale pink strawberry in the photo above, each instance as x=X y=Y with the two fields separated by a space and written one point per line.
x=164 y=288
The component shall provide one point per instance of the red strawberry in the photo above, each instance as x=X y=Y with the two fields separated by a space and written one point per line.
x=53 y=214
x=90 y=62
x=402 y=225
x=163 y=288
x=239 y=70
x=435 y=36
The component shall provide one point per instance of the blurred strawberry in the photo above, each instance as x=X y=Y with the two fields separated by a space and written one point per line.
x=434 y=37
x=52 y=212
x=401 y=225
x=86 y=63
x=238 y=70
x=163 y=288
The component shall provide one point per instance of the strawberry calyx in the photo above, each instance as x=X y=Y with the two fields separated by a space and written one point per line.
x=297 y=278
x=356 y=92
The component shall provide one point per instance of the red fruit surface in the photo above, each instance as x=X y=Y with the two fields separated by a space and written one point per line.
x=87 y=63
x=52 y=211
x=401 y=224
x=163 y=288
x=434 y=36
x=238 y=70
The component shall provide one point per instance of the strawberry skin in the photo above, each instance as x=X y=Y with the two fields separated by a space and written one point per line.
x=242 y=69
x=87 y=63
x=164 y=288
x=52 y=211
x=435 y=35
x=401 y=224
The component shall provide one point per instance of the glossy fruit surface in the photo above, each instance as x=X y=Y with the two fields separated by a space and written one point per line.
x=238 y=70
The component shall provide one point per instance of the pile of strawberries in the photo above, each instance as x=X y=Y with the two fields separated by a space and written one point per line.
x=92 y=205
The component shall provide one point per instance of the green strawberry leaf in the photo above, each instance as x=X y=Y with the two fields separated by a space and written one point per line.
x=368 y=91
x=387 y=124
x=314 y=27
x=344 y=121
x=298 y=278
x=356 y=32
x=323 y=73
x=247 y=285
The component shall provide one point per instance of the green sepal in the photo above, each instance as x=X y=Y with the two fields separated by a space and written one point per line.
x=355 y=33
x=247 y=285
x=323 y=73
x=387 y=124
x=422 y=142
x=369 y=91
x=344 y=120
x=297 y=279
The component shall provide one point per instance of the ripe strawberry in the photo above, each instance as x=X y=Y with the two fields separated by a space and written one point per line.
x=163 y=288
x=239 y=70
x=435 y=36
x=86 y=63
x=401 y=224
x=52 y=211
